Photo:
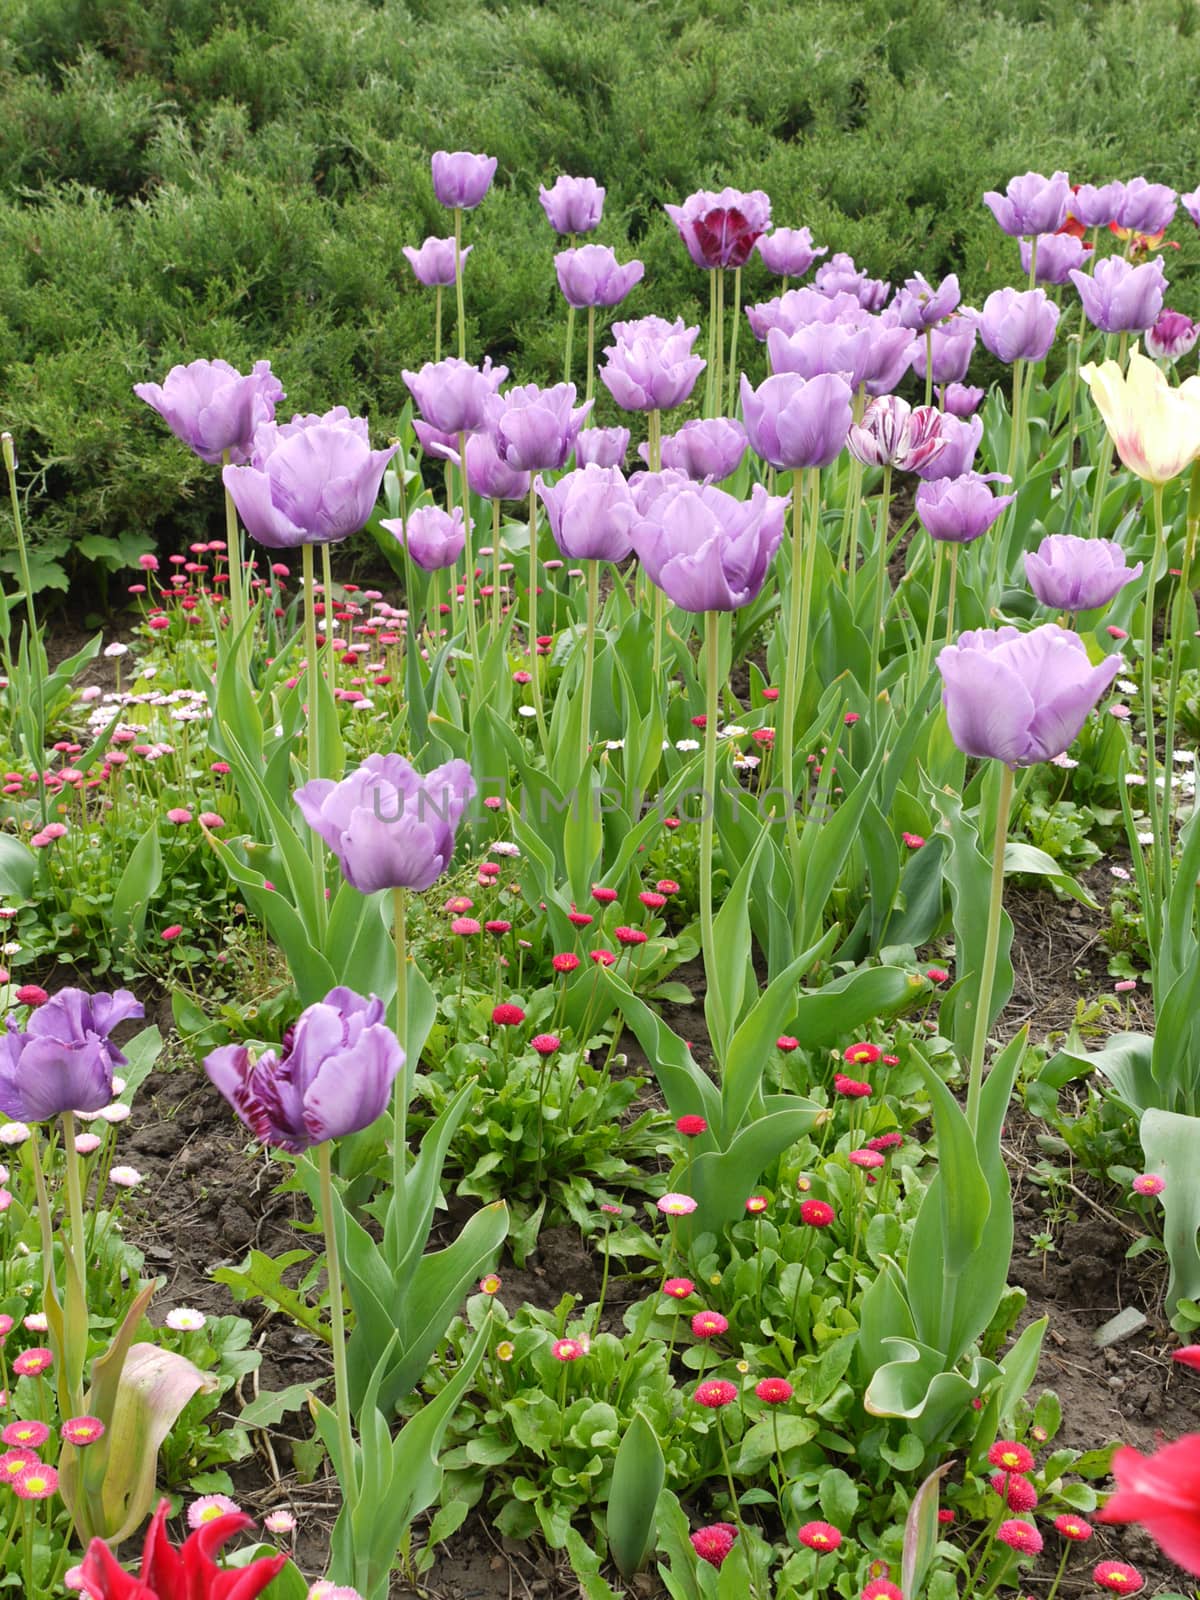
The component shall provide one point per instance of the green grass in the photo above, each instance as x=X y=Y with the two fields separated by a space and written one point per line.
x=198 y=178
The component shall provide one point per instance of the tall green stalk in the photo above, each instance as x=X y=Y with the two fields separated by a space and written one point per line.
x=991 y=950
x=469 y=589
x=233 y=553
x=880 y=583
x=590 y=382
x=535 y=682
x=337 y=1317
x=458 y=285
x=733 y=339
x=1178 y=624
x=312 y=684
x=589 y=660
x=709 y=796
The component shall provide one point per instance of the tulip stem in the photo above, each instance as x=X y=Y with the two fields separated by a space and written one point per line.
x=928 y=366
x=337 y=1317
x=534 y=680
x=797 y=636
x=233 y=554
x=495 y=567
x=570 y=343
x=708 y=798
x=733 y=338
x=437 y=318
x=951 y=596
x=458 y=285
x=1157 y=813
x=991 y=950
x=76 y=1338
x=1104 y=464
x=313 y=686
x=710 y=371
x=589 y=661
x=404 y=1079
x=935 y=585
x=1033 y=241
x=880 y=584
x=719 y=381
x=468 y=556
x=1178 y=623
x=590 y=382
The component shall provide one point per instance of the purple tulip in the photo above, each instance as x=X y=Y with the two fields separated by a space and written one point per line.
x=892 y=350
x=1020 y=697
x=1191 y=204
x=592 y=276
x=797 y=309
x=602 y=447
x=711 y=448
x=488 y=474
x=961 y=400
x=705 y=549
x=573 y=205
x=434 y=538
x=1018 y=325
x=64 y=1059
x=1031 y=204
x=333 y=1079
x=953 y=345
x=453 y=394
x=894 y=434
x=789 y=252
x=795 y=422
x=1172 y=336
x=534 y=430
x=961 y=443
x=1068 y=573
x=1146 y=207
x=433 y=263
x=839 y=275
x=1058 y=254
x=919 y=306
x=1097 y=207
x=842 y=347
x=959 y=510
x=1121 y=298
x=434 y=442
x=314 y=480
x=212 y=408
x=389 y=827
x=460 y=179
x=590 y=512
x=720 y=230
x=650 y=371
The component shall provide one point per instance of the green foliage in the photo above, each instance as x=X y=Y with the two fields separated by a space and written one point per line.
x=203 y=179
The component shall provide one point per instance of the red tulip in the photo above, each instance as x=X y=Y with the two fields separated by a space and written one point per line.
x=1162 y=1492
x=189 y=1573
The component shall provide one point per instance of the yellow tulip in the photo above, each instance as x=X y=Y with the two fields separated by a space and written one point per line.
x=1155 y=427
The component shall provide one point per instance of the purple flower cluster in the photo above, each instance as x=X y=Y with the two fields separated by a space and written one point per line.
x=63 y=1059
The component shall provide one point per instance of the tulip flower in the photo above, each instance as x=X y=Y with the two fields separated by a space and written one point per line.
x=1146 y=207
x=573 y=205
x=42 y=1078
x=894 y=434
x=705 y=549
x=590 y=512
x=1031 y=204
x=951 y=346
x=1097 y=207
x=434 y=538
x=602 y=447
x=389 y=826
x=534 y=430
x=843 y=347
x=433 y=263
x=959 y=510
x=920 y=306
x=212 y=408
x=1018 y=325
x=460 y=179
x=591 y=276
x=794 y=423
x=720 y=230
x=333 y=1079
x=187 y=1573
x=891 y=354
x=72 y=1016
x=1058 y=254
x=961 y=400
x=1155 y=427
x=314 y=480
x=488 y=474
x=1161 y=1492
x=797 y=308
x=648 y=371
x=1020 y=697
x=1068 y=573
x=1121 y=298
x=961 y=440
x=1191 y=204
x=453 y=394
x=1172 y=336
x=709 y=448
x=840 y=275
x=788 y=252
